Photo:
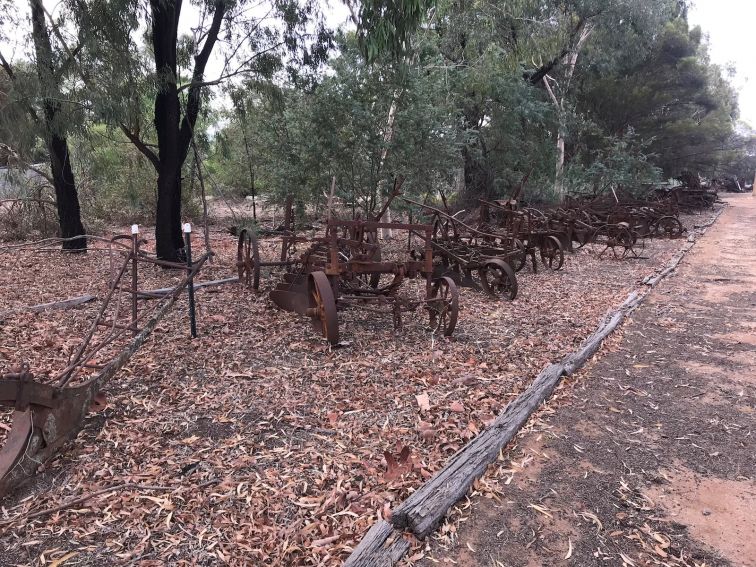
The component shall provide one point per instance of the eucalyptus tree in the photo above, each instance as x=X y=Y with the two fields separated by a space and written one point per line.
x=51 y=112
x=302 y=139
x=261 y=40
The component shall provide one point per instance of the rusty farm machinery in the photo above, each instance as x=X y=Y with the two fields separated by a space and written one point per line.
x=345 y=268
x=48 y=412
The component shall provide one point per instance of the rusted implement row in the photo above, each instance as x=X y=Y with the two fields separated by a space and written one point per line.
x=459 y=251
x=49 y=414
x=345 y=269
x=527 y=226
x=614 y=226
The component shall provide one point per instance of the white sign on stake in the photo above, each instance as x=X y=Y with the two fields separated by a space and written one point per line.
x=187 y=228
x=134 y=229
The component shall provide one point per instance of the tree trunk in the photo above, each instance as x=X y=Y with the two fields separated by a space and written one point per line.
x=478 y=178
x=174 y=129
x=570 y=61
x=66 y=196
x=168 y=240
x=388 y=137
x=169 y=243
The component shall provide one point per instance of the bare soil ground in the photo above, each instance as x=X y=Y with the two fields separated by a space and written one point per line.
x=268 y=445
x=648 y=456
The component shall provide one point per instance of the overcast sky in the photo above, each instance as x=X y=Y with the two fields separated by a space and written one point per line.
x=730 y=27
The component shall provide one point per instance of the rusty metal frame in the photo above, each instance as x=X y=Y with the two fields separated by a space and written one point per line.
x=49 y=414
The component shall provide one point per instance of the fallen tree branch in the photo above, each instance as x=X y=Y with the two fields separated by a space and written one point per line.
x=156 y=293
x=66 y=304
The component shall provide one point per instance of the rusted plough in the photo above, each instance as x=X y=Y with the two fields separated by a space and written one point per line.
x=345 y=269
x=529 y=226
x=459 y=251
x=48 y=414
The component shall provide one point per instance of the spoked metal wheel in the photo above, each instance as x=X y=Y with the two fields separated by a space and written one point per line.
x=444 y=229
x=668 y=226
x=322 y=307
x=616 y=238
x=639 y=245
x=520 y=257
x=248 y=259
x=443 y=305
x=498 y=279
x=552 y=253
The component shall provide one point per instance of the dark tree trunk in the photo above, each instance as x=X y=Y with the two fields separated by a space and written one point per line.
x=174 y=128
x=478 y=175
x=66 y=197
x=168 y=241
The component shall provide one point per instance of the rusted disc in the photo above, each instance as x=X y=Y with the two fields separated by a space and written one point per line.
x=16 y=442
x=443 y=305
x=323 y=304
x=248 y=259
x=498 y=279
x=552 y=254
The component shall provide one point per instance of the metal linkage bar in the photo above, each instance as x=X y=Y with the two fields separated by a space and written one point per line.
x=47 y=415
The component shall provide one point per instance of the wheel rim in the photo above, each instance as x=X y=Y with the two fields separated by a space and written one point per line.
x=444 y=306
x=248 y=259
x=521 y=257
x=324 y=305
x=498 y=280
x=552 y=254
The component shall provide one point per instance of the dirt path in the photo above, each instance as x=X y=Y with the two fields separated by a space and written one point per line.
x=647 y=457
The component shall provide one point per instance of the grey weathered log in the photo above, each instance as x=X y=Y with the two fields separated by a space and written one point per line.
x=426 y=508
x=66 y=304
x=162 y=292
x=382 y=546
x=592 y=344
x=671 y=266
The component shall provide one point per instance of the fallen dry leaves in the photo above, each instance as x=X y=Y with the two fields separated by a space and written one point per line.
x=273 y=447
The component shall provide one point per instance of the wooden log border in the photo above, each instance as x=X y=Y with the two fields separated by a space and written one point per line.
x=384 y=545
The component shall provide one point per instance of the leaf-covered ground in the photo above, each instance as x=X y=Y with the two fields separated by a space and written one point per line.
x=647 y=455
x=257 y=443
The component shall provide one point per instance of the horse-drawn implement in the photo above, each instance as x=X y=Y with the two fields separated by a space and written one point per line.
x=344 y=269
x=48 y=413
x=459 y=251
x=530 y=227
